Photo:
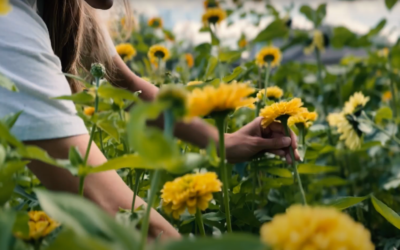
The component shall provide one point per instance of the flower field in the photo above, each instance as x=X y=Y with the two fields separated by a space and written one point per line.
x=336 y=189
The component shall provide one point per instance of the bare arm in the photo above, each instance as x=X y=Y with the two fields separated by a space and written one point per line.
x=106 y=189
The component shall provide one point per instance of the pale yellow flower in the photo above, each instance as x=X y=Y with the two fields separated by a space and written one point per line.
x=317 y=43
x=191 y=192
x=269 y=55
x=305 y=118
x=315 y=228
x=40 y=225
x=213 y=16
x=192 y=83
x=274 y=93
x=126 y=51
x=355 y=103
x=157 y=53
x=273 y=112
x=349 y=131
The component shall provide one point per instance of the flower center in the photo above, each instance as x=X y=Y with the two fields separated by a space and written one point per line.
x=159 y=54
x=354 y=123
x=213 y=19
x=269 y=58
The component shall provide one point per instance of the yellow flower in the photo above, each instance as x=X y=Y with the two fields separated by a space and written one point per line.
x=386 y=96
x=383 y=52
x=347 y=126
x=126 y=51
x=192 y=83
x=155 y=22
x=213 y=16
x=189 y=60
x=192 y=191
x=306 y=118
x=88 y=111
x=5 y=7
x=273 y=93
x=40 y=225
x=269 y=55
x=242 y=43
x=355 y=103
x=273 y=112
x=315 y=228
x=318 y=42
x=211 y=4
x=225 y=97
x=158 y=52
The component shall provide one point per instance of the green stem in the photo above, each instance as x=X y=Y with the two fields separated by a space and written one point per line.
x=199 y=222
x=294 y=164
x=101 y=142
x=136 y=188
x=267 y=73
x=220 y=122
x=393 y=89
x=254 y=183
x=37 y=245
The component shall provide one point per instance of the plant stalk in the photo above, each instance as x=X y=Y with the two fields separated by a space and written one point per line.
x=136 y=188
x=267 y=74
x=199 y=222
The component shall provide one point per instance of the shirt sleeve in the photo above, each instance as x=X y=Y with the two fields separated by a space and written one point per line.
x=28 y=60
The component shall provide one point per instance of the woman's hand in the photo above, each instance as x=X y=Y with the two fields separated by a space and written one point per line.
x=253 y=139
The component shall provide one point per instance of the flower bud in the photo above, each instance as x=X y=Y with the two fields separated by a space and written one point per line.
x=98 y=70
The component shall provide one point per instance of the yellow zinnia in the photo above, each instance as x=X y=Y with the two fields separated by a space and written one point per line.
x=192 y=191
x=355 y=103
x=126 y=51
x=157 y=53
x=211 y=4
x=273 y=112
x=40 y=225
x=318 y=228
x=318 y=42
x=269 y=55
x=305 y=118
x=273 y=93
x=386 y=96
x=189 y=60
x=225 y=97
x=155 y=22
x=88 y=111
x=213 y=16
x=5 y=7
x=348 y=128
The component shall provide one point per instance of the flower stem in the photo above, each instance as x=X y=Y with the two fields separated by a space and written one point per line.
x=136 y=188
x=37 y=245
x=267 y=74
x=199 y=222
x=294 y=164
x=220 y=122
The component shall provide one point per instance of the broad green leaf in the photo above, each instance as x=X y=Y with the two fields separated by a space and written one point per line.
x=229 y=56
x=212 y=64
x=214 y=38
x=315 y=16
x=9 y=120
x=80 y=79
x=390 y=215
x=7 y=219
x=75 y=157
x=375 y=31
x=276 y=29
x=212 y=154
x=235 y=74
x=214 y=216
x=6 y=135
x=390 y=3
x=3 y=154
x=342 y=36
x=329 y=182
x=346 y=202
x=36 y=153
x=310 y=168
x=78 y=98
x=7 y=181
x=85 y=218
x=369 y=145
x=110 y=128
x=21 y=225
x=7 y=84
x=271 y=9
x=281 y=172
x=320 y=14
x=109 y=91
x=189 y=161
x=277 y=182
x=383 y=113
x=232 y=241
x=68 y=240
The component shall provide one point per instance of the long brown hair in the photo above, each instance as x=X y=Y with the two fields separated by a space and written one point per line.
x=76 y=36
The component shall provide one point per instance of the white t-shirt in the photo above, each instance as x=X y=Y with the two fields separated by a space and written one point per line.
x=27 y=59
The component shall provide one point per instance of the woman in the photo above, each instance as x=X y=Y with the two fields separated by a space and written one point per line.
x=39 y=41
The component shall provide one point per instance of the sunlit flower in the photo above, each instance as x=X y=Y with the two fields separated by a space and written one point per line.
x=5 y=7
x=157 y=53
x=273 y=112
x=176 y=97
x=317 y=228
x=383 y=52
x=189 y=60
x=273 y=93
x=225 y=97
x=319 y=42
x=355 y=103
x=269 y=55
x=155 y=22
x=126 y=51
x=305 y=118
x=192 y=191
x=88 y=111
x=213 y=16
x=386 y=96
x=192 y=83
x=40 y=225
x=347 y=127
x=211 y=4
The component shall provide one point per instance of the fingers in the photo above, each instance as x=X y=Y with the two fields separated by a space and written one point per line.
x=272 y=143
x=278 y=152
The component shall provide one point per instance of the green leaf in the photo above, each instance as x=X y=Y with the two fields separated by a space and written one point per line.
x=320 y=14
x=7 y=181
x=329 y=182
x=6 y=135
x=7 y=84
x=21 y=225
x=189 y=162
x=271 y=9
x=68 y=240
x=342 y=36
x=235 y=74
x=212 y=154
x=212 y=64
x=9 y=120
x=229 y=56
x=315 y=17
x=346 y=202
x=109 y=91
x=375 y=31
x=36 y=153
x=232 y=241
x=110 y=128
x=214 y=39
x=369 y=145
x=281 y=172
x=214 y=216
x=75 y=157
x=390 y=3
x=276 y=29
x=310 y=168
x=383 y=113
x=7 y=219
x=78 y=98
x=390 y=215
x=87 y=84
x=85 y=218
